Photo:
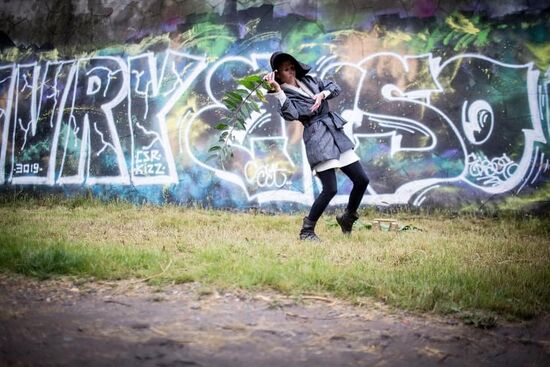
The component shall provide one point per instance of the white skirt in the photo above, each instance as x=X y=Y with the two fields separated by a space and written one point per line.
x=346 y=158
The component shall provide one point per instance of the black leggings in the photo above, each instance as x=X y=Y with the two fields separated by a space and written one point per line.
x=357 y=175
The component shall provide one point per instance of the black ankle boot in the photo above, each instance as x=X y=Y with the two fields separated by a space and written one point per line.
x=308 y=230
x=346 y=220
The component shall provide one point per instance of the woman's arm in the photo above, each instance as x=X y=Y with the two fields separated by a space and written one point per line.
x=289 y=111
x=328 y=86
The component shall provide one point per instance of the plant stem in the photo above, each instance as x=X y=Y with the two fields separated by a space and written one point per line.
x=234 y=119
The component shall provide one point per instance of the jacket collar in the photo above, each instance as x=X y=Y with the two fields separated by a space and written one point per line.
x=313 y=88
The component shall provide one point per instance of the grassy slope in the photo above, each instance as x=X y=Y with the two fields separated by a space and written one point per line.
x=465 y=264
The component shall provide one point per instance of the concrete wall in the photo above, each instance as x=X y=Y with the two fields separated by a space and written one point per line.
x=447 y=101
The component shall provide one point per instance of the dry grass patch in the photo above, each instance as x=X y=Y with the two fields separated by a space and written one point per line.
x=462 y=264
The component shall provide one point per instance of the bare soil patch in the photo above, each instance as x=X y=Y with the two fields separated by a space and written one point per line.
x=128 y=323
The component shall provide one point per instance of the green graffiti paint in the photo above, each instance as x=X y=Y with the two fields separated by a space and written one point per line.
x=540 y=54
x=307 y=40
x=207 y=38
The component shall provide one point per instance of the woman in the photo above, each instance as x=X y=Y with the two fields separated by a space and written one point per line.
x=304 y=98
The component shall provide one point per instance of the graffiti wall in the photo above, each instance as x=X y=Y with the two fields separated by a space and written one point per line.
x=445 y=110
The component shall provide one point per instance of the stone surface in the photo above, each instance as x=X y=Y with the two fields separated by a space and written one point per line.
x=97 y=23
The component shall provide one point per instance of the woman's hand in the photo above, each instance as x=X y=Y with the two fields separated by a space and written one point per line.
x=318 y=99
x=270 y=78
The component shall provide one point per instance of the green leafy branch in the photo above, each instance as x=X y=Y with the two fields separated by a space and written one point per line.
x=241 y=103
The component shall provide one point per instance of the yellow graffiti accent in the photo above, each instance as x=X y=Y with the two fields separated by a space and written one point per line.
x=13 y=54
x=251 y=25
x=157 y=42
x=52 y=55
x=462 y=24
x=541 y=54
x=249 y=42
x=181 y=115
x=214 y=38
x=311 y=45
x=393 y=39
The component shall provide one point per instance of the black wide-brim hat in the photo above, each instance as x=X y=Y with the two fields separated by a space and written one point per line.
x=278 y=57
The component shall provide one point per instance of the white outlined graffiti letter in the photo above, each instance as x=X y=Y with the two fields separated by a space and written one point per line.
x=7 y=85
x=150 y=100
x=34 y=143
x=407 y=145
x=497 y=112
x=92 y=152
x=263 y=162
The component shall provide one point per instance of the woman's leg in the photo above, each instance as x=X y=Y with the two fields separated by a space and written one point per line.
x=360 y=181
x=358 y=176
x=328 y=180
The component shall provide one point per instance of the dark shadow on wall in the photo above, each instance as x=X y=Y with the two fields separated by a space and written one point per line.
x=5 y=41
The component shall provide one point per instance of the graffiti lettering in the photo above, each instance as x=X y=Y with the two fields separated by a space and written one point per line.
x=27 y=168
x=491 y=172
x=92 y=149
x=484 y=111
x=151 y=99
x=7 y=85
x=268 y=175
x=149 y=162
x=419 y=123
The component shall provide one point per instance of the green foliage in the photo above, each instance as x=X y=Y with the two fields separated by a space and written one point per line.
x=240 y=103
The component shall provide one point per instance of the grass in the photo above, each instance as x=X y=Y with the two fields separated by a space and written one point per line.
x=467 y=265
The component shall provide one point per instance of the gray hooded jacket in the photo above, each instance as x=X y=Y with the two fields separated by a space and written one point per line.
x=323 y=136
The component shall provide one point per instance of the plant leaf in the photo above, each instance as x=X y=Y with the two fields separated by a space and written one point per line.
x=214 y=148
x=254 y=106
x=261 y=96
x=247 y=83
x=211 y=156
x=221 y=126
x=240 y=123
x=245 y=111
x=230 y=104
x=242 y=92
x=234 y=96
x=254 y=78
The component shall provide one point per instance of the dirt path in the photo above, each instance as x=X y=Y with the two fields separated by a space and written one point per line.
x=59 y=323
